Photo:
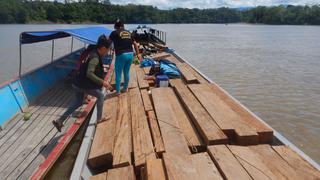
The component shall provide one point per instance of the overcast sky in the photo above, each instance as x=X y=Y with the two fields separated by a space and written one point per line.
x=169 y=4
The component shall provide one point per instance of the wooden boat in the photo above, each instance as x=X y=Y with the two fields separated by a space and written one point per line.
x=191 y=130
x=29 y=143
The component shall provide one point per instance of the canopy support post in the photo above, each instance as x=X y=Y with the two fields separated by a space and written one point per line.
x=52 y=50
x=20 y=58
x=71 y=44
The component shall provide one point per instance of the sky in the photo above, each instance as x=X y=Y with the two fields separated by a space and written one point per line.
x=203 y=4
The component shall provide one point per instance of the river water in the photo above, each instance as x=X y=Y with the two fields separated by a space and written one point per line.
x=273 y=70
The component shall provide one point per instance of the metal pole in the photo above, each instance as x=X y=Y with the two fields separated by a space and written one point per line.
x=71 y=44
x=20 y=58
x=52 y=50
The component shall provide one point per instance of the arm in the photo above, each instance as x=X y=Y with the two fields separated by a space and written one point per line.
x=90 y=72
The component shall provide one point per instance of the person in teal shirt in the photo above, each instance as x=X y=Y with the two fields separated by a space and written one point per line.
x=123 y=43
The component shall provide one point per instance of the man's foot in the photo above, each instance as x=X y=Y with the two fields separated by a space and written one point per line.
x=57 y=125
x=103 y=119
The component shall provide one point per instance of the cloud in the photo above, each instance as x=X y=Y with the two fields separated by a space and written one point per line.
x=203 y=4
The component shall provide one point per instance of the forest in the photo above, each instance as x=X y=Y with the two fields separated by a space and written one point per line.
x=102 y=11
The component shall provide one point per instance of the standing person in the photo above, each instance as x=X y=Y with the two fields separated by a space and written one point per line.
x=123 y=42
x=90 y=80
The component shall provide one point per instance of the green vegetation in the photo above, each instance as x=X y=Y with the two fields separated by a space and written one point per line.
x=23 y=11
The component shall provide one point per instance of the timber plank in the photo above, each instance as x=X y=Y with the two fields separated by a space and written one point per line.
x=228 y=120
x=155 y=132
x=187 y=75
x=198 y=76
x=133 y=83
x=155 y=169
x=146 y=100
x=172 y=136
x=184 y=123
x=143 y=84
x=252 y=162
x=297 y=162
x=146 y=70
x=123 y=173
x=179 y=166
x=102 y=145
x=275 y=162
x=101 y=176
x=205 y=166
x=142 y=140
x=228 y=165
x=159 y=56
x=265 y=133
x=122 y=141
x=207 y=127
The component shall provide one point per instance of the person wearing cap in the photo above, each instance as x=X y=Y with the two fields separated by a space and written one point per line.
x=90 y=80
x=123 y=43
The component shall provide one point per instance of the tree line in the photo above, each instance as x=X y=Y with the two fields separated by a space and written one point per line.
x=102 y=11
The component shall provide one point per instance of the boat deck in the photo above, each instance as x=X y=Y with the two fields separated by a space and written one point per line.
x=25 y=144
x=190 y=130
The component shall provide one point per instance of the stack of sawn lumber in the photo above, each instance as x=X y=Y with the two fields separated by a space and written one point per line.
x=191 y=130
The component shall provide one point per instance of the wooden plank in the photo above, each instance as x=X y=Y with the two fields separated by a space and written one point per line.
x=228 y=120
x=101 y=176
x=155 y=169
x=172 y=136
x=102 y=146
x=173 y=59
x=252 y=162
x=159 y=56
x=143 y=84
x=124 y=173
x=146 y=70
x=155 y=132
x=205 y=166
x=38 y=155
x=122 y=144
x=146 y=100
x=179 y=166
x=32 y=145
x=198 y=76
x=142 y=141
x=275 y=162
x=184 y=123
x=265 y=133
x=228 y=165
x=187 y=75
x=19 y=128
x=133 y=83
x=35 y=123
x=297 y=162
x=206 y=126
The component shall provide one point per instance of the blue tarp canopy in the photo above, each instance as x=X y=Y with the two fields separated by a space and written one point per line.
x=87 y=35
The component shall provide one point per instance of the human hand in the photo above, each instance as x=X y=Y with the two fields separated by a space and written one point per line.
x=107 y=85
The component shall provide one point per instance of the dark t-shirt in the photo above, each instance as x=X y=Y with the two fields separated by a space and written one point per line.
x=122 y=41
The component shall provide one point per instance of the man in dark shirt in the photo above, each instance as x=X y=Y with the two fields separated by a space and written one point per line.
x=123 y=42
x=90 y=80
